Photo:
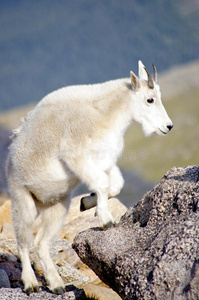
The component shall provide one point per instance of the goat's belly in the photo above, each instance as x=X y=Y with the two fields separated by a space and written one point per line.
x=53 y=183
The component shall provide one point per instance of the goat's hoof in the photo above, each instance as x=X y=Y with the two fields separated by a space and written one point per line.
x=36 y=289
x=30 y=290
x=108 y=225
x=59 y=290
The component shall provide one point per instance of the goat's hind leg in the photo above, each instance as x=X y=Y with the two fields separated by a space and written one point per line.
x=24 y=214
x=52 y=221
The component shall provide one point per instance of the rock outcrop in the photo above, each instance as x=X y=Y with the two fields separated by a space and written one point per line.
x=153 y=253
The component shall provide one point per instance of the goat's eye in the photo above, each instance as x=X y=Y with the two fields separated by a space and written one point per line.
x=151 y=100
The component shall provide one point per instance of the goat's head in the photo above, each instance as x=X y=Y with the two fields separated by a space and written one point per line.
x=147 y=106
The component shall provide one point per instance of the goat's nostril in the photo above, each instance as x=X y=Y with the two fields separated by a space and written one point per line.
x=169 y=127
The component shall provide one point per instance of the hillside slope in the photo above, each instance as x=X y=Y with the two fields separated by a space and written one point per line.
x=47 y=44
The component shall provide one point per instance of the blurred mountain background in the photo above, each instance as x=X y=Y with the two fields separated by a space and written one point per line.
x=47 y=44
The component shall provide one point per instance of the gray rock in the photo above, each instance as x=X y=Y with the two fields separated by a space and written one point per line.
x=8 y=246
x=11 y=294
x=153 y=253
x=13 y=273
x=4 y=280
x=59 y=246
x=71 y=275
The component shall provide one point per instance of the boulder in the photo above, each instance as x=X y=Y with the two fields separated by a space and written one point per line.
x=13 y=273
x=153 y=252
x=4 y=279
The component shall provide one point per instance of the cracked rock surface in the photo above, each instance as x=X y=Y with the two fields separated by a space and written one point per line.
x=153 y=253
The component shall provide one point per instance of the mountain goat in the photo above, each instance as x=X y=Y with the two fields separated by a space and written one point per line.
x=74 y=134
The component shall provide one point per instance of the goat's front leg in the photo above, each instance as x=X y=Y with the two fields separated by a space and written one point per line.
x=97 y=180
x=99 y=183
x=116 y=183
x=102 y=211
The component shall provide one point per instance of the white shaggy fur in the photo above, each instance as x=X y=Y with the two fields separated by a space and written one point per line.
x=74 y=134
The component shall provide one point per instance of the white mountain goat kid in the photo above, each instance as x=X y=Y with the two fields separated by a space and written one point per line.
x=74 y=134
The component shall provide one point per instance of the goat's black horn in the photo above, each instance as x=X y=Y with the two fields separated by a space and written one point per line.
x=155 y=73
x=150 y=79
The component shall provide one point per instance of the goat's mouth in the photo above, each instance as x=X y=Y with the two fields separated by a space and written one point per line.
x=162 y=131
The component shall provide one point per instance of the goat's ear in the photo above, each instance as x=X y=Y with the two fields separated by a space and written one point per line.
x=134 y=81
x=141 y=71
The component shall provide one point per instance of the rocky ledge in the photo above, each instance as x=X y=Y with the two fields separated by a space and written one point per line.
x=153 y=253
